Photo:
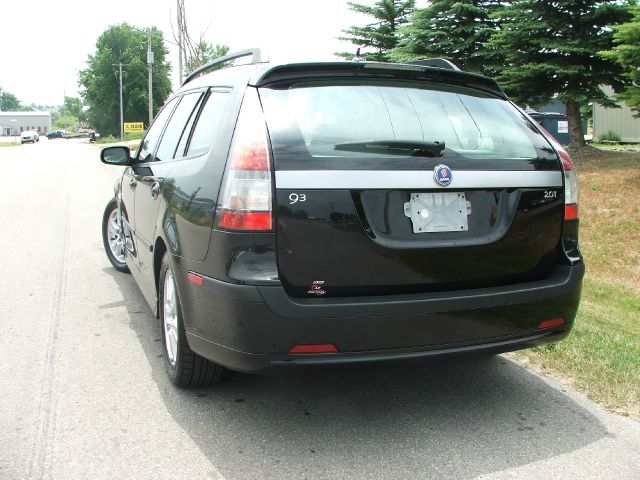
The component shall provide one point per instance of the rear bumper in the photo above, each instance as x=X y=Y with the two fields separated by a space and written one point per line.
x=259 y=363
x=251 y=328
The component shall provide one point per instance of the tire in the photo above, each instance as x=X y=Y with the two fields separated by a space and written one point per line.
x=184 y=367
x=113 y=237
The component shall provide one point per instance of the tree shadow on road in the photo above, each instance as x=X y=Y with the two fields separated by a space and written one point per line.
x=445 y=418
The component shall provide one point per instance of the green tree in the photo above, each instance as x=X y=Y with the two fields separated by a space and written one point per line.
x=453 y=29
x=99 y=82
x=202 y=53
x=9 y=102
x=65 y=122
x=551 y=49
x=380 y=37
x=69 y=114
x=626 y=53
x=72 y=106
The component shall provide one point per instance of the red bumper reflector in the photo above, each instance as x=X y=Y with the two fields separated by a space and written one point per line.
x=324 y=348
x=195 y=278
x=571 y=212
x=552 y=322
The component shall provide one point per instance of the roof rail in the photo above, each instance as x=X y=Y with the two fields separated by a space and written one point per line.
x=256 y=57
x=435 y=62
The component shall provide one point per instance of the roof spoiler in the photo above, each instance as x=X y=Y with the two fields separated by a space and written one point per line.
x=299 y=71
x=255 y=53
x=435 y=62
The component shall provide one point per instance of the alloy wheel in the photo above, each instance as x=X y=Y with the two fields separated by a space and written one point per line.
x=115 y=236
x=170 y=317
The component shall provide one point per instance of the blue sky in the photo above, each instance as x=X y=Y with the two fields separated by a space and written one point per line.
x=43 y=52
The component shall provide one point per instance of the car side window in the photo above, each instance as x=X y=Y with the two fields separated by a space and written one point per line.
x=207 y=123
x=186 y=132
x=150 y=140
x=176 y=126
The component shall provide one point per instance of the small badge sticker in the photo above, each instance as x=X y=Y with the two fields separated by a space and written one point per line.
x=316 y=288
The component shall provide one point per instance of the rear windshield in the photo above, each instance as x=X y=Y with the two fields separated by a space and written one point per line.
x=316 y=124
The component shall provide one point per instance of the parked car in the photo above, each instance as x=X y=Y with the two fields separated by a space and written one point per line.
x=56 y=134
x=278 y=216
x=29 y=136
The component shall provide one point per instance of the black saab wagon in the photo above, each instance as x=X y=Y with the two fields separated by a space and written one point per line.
x=286 y=215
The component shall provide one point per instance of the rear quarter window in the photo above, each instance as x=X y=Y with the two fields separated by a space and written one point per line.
x=207 y=123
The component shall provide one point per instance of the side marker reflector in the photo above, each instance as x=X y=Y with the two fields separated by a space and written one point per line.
x=552 y=322
x=195 y=278
x=323 y=348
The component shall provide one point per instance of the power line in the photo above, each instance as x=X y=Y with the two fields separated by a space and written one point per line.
x=132 y=82
x=149 y=32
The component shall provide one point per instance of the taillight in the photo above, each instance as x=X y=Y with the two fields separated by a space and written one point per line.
x=245 y=195
x=570 y=186
x=570 y=178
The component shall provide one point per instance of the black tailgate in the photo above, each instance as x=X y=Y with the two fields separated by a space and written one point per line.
x=355 y=185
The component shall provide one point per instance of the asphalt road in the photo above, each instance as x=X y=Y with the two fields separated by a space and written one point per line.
x=83 y=393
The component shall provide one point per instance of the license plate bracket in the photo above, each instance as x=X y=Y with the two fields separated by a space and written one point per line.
x=438 y=212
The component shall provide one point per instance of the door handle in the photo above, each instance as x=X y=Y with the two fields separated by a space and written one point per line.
x=155 y=190
x=133 y=183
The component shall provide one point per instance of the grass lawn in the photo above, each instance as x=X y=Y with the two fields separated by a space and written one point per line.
x=617 y=146
x=127 y=137
x=601 y=357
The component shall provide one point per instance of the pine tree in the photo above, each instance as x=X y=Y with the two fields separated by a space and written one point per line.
x=378 y=38
x=627 y=54
x=551 y=49
x=451 y=29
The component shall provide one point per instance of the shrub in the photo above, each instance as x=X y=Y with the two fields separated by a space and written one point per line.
x=610 y=136
x=127 y=137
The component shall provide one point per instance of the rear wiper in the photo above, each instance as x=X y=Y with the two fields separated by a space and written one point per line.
x=395 y=147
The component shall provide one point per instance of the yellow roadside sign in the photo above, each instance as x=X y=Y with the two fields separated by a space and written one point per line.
x=133 y=127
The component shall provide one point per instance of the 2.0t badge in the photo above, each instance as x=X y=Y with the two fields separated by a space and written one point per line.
x=442 y=175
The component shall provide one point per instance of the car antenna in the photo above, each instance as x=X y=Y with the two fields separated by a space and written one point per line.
x=357 y=58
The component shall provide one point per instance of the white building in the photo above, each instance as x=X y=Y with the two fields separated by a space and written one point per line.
x=14 y=123
x=621 y=121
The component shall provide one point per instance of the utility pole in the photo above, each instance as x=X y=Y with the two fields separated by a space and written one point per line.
x=119 y=74
x=150 y=65
x=121 y=109
x=179 y=11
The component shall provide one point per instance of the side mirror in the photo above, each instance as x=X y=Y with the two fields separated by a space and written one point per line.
x=119 y=155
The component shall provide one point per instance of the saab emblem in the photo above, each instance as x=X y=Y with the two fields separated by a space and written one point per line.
x=442 y=175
